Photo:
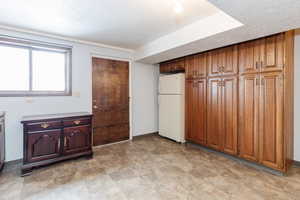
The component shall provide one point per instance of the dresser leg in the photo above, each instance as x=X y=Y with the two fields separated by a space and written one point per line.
x=88 y=157
x=26 y=171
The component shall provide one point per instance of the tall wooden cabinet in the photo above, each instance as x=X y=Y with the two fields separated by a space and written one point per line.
x=239 y=100
x=196 y=111
x=222 y=114
x=249 y=91
x=271 y=136
x=214 y=113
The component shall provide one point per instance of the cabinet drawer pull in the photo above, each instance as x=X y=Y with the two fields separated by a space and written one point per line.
x=65 y=141
x=58 y=143
x=77 y=122
x=45 y=125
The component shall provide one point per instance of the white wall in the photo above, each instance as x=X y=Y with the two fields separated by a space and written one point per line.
x=145 y=105
x=16 y=107
x=297 y=98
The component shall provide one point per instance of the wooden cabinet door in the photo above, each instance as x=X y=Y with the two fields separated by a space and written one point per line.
x=270 y=119
x=43 y=145
x=190 y=67
x=248 y=115
x=201 y=61
x=196 y=111
x=196 y=66
x=76 y=139
x=214 y=62
x=223 y=61
x=229 y=58
x=162 y=68
x=180 y=65
x=272 y=58
x=249 y=56
x=214 y=113
x=229 y=125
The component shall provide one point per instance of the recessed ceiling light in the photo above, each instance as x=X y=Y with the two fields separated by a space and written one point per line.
x=178 y=8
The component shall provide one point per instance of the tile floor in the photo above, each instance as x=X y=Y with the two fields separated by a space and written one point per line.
x=151 y=168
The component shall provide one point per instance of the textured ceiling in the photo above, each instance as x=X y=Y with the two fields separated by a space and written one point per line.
x=259 y=18
x=122 y=23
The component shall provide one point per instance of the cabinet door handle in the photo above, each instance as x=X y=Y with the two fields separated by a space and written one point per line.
x=257 y=81
x=77 y=122
x=58 y=143
x=45 y=125
x=65 y=141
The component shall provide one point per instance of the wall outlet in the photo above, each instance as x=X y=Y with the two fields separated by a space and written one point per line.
x=76 y=94
x=29 y=100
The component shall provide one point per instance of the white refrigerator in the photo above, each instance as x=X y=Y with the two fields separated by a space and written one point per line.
x=171 y=106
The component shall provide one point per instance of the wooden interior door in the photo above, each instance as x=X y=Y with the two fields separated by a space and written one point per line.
x=250 y=56
x=248 y=115
x=214 y=113
x=110 y=101
x=270 y=119
x=196 y=111
x=272 y=58
x=229 y=114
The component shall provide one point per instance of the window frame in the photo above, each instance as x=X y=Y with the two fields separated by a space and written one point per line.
x=32 y=45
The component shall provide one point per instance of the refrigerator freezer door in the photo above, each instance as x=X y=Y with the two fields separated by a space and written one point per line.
x=171 y=117
x=171 y=84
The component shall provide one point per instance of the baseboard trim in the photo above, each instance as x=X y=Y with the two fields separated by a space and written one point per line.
x=296 y=163
x=105 y=145
x=144 y=135
x=14 y=162
x=238 y=159
x=12 y=165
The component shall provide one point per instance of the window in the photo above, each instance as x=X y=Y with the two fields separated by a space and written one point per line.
x=29 y=68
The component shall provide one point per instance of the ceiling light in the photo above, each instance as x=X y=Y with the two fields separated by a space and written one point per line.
x=178 y=8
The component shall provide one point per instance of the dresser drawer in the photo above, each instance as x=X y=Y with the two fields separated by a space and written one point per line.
x=77 y=122
x=40 y=126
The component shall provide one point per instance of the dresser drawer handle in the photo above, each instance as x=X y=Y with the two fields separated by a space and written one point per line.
x=77 y=122
x=45 y=125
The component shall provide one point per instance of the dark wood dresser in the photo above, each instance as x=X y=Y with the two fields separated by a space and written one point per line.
x=57 y=137
x=2 y=141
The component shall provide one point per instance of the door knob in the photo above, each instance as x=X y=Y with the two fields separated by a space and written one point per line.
x=95 y=107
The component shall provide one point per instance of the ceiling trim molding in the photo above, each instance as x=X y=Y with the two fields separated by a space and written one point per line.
x=69 y=39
